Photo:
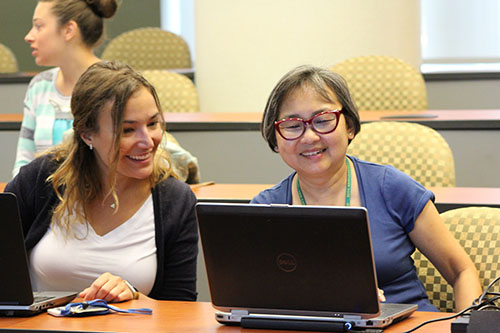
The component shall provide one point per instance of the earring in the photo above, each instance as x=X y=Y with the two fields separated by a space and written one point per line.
x=90 y=147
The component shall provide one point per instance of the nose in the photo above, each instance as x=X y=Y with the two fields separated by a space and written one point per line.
x=29 y=36
x=145 y=139
x=309 y=135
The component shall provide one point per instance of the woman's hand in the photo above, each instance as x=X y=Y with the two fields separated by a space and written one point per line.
x=381 y=296
x=108 y=287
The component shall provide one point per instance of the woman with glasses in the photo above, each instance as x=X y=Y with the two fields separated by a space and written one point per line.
x=310 y=119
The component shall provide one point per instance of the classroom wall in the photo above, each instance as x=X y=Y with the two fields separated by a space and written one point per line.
x=244 y=47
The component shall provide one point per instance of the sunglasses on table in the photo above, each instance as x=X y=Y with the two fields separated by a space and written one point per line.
x=322 y=123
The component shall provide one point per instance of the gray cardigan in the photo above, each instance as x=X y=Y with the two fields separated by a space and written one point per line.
x=175 y=225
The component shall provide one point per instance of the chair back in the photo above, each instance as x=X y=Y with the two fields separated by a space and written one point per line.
x=478 y=231
x=149 y=48
x=417 y=150
x=176 y=92
x=8 y=62
x=383 y=83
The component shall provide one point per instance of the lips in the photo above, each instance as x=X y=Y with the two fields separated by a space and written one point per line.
x=313 y=152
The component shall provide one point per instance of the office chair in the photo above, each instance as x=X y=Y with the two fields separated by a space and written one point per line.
x=176 y=92
x=383 y=83
x=478 y=231
x=149 y=48
x=8 y=62
x=417 y=150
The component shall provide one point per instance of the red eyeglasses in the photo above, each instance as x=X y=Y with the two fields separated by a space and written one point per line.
x=323 y=123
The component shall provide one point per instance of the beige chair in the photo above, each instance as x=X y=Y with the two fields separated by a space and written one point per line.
x=176 y=92
x=418 y=150
x=149 y=48
x=8 y=62
x=383 y=83
x=478 y=231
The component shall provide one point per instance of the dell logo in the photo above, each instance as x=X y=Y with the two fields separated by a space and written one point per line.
x=286 y=262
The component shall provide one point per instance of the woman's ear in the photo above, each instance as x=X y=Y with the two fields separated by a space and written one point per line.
x=276 y=149
x=87 y=138
x=350 y=133
x=69 y=30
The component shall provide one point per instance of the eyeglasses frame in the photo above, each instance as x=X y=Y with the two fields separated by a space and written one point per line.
x=308 y=123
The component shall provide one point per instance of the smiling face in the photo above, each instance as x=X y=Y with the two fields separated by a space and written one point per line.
x=141 y=135
x=45 y=37
x=313 y=154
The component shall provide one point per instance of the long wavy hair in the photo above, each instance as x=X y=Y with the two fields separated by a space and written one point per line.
x=77 y=180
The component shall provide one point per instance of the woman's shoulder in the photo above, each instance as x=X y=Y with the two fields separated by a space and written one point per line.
x=45 y=164
x=278 y=194
x=35 y=173
x=373 y=170
x=173 y=187
x=44 y=76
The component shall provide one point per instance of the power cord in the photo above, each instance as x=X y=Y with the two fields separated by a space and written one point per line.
x=484 y=302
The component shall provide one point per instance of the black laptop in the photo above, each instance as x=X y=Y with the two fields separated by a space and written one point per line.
x=16 y=295
x=292 y=267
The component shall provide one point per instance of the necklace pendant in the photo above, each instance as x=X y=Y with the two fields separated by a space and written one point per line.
x=113 y=205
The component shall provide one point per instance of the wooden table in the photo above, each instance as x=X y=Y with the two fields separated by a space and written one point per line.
x=174 y=317
x=446 y=197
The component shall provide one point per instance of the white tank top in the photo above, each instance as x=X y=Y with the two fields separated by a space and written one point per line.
x=59 y=263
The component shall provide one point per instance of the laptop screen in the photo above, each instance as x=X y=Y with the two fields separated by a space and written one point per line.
x=289 y=259
x=15 y=284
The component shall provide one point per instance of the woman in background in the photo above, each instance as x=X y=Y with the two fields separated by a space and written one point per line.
x=102 y=212
x=64 y=34
x=310 y=119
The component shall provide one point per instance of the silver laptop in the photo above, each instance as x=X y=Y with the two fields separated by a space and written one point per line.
x=292 y=267
x=16 y=295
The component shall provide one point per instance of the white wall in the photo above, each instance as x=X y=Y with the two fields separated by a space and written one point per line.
x=243 y=47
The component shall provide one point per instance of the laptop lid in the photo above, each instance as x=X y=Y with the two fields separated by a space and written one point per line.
x=16 y=293
x=289 y=259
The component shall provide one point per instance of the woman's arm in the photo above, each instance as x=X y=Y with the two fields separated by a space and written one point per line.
x=433 y=239
x=26 y=148
x=178 y=249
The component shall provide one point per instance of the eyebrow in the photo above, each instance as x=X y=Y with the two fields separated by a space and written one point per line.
x=153 y=117
x=313 y=114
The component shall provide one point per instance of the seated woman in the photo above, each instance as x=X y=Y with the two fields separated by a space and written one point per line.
x=64 y=34
x=103 y=212
x=309 y=119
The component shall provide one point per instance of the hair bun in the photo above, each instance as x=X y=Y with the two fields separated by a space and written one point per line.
x=103 y=8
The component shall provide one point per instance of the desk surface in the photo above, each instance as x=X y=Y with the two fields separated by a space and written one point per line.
x=250 y=121
x=25 y=77
x=175 y=317
x=448 y=197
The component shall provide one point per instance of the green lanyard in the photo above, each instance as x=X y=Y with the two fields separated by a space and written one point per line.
x=347 y=189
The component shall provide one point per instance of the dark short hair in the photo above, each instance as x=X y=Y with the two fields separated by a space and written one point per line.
x=322 y=81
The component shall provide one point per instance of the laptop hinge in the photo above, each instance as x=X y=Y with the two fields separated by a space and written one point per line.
x=239 y=313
